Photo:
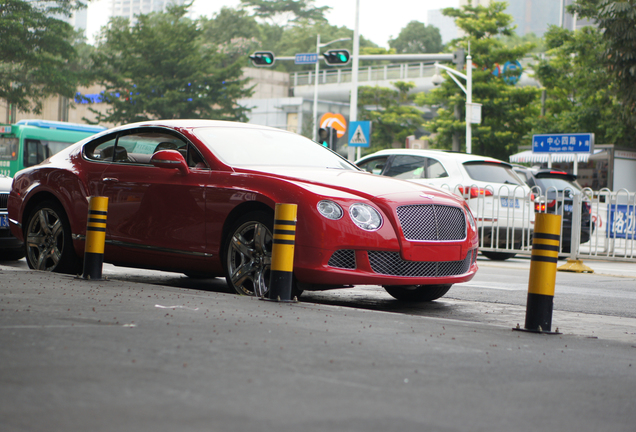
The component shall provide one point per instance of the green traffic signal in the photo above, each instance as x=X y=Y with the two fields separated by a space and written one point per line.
x=262 y=58
x=337 y=57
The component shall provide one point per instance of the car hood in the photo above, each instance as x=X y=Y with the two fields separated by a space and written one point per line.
x=358 y=183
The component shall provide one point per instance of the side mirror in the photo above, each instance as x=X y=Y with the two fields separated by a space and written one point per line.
x=170 y=159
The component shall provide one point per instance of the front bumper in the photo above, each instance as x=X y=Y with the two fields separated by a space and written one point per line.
x=361 y=267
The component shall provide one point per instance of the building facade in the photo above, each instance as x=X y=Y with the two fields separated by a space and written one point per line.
x=130 y=8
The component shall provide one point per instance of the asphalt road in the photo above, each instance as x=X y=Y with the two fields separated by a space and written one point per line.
x=144 y=351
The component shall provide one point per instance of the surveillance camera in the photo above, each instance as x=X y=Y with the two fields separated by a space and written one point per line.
x=437 y=79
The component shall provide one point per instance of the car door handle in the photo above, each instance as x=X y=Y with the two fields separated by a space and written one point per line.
x=110 y=180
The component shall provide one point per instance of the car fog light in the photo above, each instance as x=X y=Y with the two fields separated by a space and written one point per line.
x=365 y=216
x=330 y=210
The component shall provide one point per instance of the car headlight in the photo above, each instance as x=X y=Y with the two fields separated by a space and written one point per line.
x=365 y=216
x=330 y=209
x=471 y=219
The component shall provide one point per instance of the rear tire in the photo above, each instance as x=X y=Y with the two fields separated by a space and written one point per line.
x=417 y=293
x=49 y=246
x=498 y=256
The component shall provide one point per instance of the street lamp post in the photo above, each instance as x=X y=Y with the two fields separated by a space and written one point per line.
x=318 y=46
x=468 y=90
x=353 y=98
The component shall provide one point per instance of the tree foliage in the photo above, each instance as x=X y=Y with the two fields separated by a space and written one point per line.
x=391 y=112
x=507 y=110
x=37 y=57
x=293 y=10
x=617 y=21
x=162 y=67
x=580 y=95
x=416 y=38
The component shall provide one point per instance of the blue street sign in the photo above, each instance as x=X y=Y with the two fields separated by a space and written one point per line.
x=360 y=133
x=621 y=221
x=563 y=143
x=308 y=58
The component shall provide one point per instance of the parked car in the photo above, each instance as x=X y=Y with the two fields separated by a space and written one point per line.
x=500 y=201
x=10 y=247
x=555 y=191
x=198 y=197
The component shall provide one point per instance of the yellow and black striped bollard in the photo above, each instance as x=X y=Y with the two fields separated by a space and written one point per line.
x=543 y=268
x=95 y=237
x=280 y=281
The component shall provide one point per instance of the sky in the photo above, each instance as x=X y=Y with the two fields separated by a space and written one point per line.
x=379 y=20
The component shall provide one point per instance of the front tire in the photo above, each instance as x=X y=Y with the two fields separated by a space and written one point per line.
x=248 y=254
x=498 y=256
x=417 y=293
x=49 y=246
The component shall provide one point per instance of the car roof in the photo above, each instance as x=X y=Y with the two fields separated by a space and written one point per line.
x=439 y=154
x=546 y=172
x=192 y=124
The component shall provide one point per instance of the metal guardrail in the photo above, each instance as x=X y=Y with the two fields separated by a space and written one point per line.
x=594 y=224
x=371 y=73
x=612 y=226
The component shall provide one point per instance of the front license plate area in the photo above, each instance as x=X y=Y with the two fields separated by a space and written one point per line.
x=4 y=221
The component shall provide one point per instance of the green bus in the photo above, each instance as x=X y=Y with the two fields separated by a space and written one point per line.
x=29 y=142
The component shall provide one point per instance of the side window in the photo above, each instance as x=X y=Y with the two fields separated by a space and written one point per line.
x=435 y=169
x=138 y=146
x=102 y=150
x=407 y=167
x=34 y=152
x=375 y=166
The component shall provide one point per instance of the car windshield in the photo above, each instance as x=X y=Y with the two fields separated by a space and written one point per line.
x=491 y=172
x=266 y=147
x=557 y=183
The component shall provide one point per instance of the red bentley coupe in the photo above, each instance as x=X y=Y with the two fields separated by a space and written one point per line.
x=198 y=197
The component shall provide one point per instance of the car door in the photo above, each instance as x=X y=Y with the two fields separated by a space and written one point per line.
x=158 y=210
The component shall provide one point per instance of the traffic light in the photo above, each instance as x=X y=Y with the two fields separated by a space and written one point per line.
x=328 y=137
x=263 y=58
x=337 y=57
x=323 y=137
x=458 y=58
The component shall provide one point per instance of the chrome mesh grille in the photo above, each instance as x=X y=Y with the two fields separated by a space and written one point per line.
x=4 y=199
x=432 y=222
x=390 y=263
x=343 y=258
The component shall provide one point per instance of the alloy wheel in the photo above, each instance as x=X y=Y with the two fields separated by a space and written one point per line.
x=45 y=240
x=249 y=258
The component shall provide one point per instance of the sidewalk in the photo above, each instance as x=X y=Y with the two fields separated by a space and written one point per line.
x=600 y=267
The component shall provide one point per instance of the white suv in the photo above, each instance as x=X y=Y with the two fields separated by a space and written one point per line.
x=501 y=202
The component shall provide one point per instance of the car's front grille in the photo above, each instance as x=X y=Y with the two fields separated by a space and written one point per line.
x=432 y=222
x=4 y=199
x=390 y=263
x=344 y=259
